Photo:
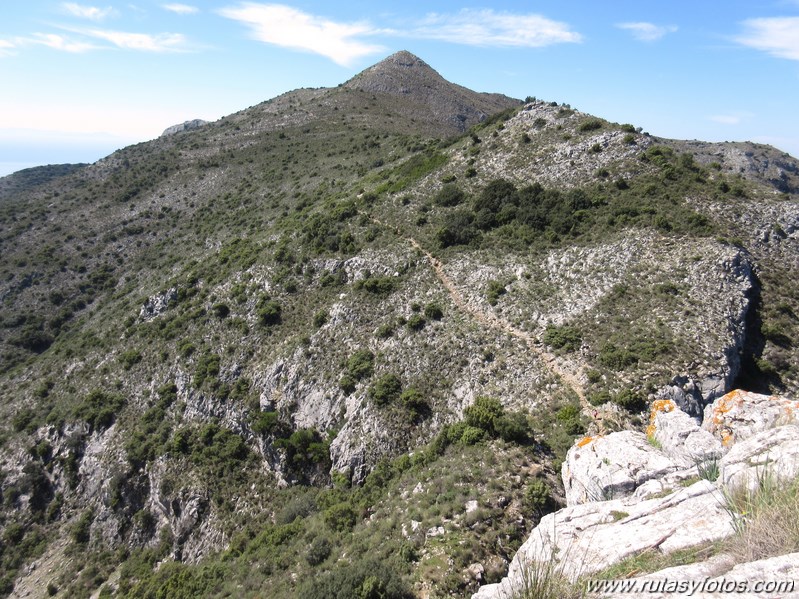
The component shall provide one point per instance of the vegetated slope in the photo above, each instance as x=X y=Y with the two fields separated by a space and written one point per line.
x=21 y=181
x=237 y=344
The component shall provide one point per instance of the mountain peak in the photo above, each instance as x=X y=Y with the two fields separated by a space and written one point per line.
x=400 y=73
x=426 y=95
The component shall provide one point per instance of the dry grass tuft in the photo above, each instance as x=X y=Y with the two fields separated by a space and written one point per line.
x=765 y=519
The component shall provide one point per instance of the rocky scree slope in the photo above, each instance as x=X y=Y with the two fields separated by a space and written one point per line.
x=210 y=332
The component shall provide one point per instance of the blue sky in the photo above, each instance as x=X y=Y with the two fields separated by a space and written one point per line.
x=81 y=79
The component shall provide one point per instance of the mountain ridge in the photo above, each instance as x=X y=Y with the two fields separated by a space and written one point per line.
x=303 y=334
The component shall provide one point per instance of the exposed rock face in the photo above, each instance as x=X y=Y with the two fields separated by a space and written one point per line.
x=741 y=414
x=600 y=468
x=588 y=538
x=769 y=453
x=679 y=437
x=591 y=535
x=778 y=573
x=184 y=126
x=754 y=161
x=158 y=304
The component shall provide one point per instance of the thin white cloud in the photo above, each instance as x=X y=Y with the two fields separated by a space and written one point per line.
x=647 y=32
x=88 y=12
x=181 y=9
x=145 y=42
x=489 y=28
x=778 y=36
x=59 y=42
x=731 y=118
x=726 y=119
x=343 y=43
x=290 y=28
x=7 y=48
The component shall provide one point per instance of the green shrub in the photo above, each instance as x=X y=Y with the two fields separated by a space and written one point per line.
x=207 y=369
x=458 y=229
x=590 y=125
x=220 y=310
x=598 y=398
x=537 y=497
x=472 y=435
x=433 y=311
x=386 y=330
x=130 y=358
x=449 y=195
x=305 y=448
x=99 y=409
x=318 y=551
x=416 y=322
x=568 y=338
x=340 y=517
x=414 y=402
x=361 y=579
x=630 y=400
x=387 y=388
x=381 y=286
x=320 y=318
x=484 y=413
x=265 y=422
x=347 y=384
x=494 y=290
x=570 y=417
x=616 y=358
x=81 y=528
x=360 y=364
x=269 y=312
x=513 y=427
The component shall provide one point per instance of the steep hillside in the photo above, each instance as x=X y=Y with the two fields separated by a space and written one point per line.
x=343 y=339
x=26 y=179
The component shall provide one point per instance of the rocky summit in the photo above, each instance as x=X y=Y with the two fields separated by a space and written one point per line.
x=397 y=338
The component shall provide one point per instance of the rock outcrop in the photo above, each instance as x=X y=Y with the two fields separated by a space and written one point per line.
x=628 y=492
x=184 y=126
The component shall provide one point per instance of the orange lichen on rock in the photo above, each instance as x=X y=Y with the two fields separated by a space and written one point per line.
x=726 y=403
x=791 y=408
x=726 y=437
x=659 y=405
x=585 y=441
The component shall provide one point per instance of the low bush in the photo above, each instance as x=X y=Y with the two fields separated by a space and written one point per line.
x=567 y=338
x=449 y=195
x=386 y=389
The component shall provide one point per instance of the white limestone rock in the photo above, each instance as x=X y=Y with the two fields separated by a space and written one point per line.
x=740 y=414
x=768 y=454
x=584 y=539
x=598 y=468
x=681 y=438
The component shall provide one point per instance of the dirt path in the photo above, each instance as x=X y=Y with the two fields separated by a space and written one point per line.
x=495 y=322
x=550 y=361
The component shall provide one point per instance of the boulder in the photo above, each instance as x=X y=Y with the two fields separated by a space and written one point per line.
x=679 y=435
x=740 y=414
x=584 y=539
x=158 y=304
x=775 y=577
x=598 y=468
x=749 y=438
x=767 y=455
